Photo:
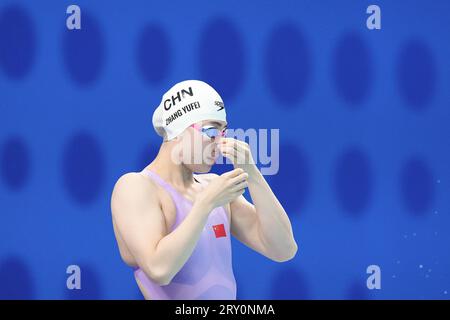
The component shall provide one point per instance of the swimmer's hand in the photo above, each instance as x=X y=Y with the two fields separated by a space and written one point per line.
x=224 y=189
x=239 y=153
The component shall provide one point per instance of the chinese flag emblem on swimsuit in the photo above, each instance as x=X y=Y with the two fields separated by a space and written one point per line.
x=219 y=230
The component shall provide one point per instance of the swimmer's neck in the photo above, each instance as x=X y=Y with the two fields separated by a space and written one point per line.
x=177 y=174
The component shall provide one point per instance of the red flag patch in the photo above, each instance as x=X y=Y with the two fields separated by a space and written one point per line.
x=219 y=230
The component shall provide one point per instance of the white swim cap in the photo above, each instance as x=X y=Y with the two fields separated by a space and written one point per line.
x=184 y=104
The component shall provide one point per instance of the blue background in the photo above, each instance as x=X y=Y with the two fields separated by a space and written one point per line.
x=364 y=128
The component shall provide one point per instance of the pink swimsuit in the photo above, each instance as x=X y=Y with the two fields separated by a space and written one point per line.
x=208 y=272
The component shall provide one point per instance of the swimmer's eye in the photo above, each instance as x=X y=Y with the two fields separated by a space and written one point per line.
x=213 y=132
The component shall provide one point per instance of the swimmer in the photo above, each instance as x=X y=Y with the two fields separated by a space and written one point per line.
x=173 y=220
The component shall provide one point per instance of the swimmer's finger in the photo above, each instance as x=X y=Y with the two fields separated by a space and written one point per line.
x=238 y=159
x=229 y=149
x=240 y=186
x=238 y=192
x=237 y=156
x=232 y=173
x=240 y=178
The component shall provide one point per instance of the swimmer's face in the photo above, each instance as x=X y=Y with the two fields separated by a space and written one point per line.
x=202 y=139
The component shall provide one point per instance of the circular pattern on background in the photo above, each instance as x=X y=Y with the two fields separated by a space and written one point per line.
x=222 y=57
x=148 y=154
x=16 y=279
x=83 y=167
x=352 y=71
x=84 y=50
x=15 y=163
x=417 y=188
x=417 y=74
x=358 y=291
x=353 y=181
x=17 y=41
x=289 y=284
x=287 y=64
x=292 y=183
x=153 y=53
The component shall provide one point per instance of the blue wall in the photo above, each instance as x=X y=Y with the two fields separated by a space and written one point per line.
x=364 y=128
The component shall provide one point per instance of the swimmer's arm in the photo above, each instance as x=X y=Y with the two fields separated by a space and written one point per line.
x=264 y=225
x=141 y=224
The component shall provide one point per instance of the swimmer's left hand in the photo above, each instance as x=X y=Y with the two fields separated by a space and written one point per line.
x=239 y=153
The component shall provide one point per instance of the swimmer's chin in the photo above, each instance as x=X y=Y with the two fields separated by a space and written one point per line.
x=204 y=168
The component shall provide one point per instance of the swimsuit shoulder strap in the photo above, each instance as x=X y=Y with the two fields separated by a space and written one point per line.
x=165 y=185
x=155 y=177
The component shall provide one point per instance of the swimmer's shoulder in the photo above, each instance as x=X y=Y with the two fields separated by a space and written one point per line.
x=136 y=184
x=135 y=180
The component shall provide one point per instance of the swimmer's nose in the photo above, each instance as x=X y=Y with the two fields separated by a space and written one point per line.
x=217 y=139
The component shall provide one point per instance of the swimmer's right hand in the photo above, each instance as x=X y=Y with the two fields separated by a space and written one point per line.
x=224 y=188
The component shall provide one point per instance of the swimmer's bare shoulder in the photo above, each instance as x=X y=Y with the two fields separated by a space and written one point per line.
x=132 y=186
x=137 y=213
